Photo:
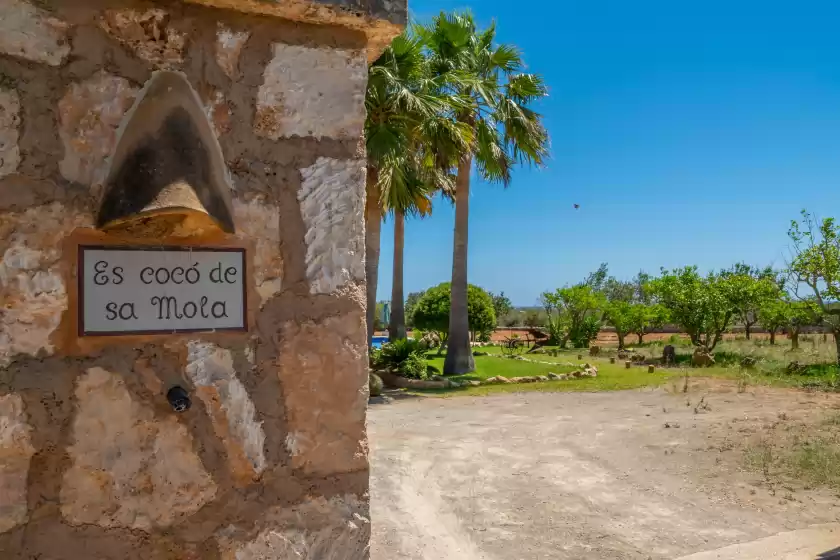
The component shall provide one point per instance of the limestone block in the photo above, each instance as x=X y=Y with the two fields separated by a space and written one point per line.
x=316 y=92
x=338 y=529
x=9 y=132
x=259 y=221
x=324 y=372
x=231 y=410
x=30 y=33
x=15 y=454
x=90 y=114
x=149 y=34
x=218 y=112
x=332 y=206
x=129 y=468
x=229 y=45
x=32 y=288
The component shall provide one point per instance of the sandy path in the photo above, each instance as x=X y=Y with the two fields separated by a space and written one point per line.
x=569 y=476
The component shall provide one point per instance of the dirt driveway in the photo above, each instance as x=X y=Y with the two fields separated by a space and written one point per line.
x=590 y=475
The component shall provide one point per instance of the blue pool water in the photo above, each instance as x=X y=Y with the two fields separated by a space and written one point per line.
x=378 y=341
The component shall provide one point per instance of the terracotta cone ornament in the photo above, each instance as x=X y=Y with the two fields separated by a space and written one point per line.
x=167 y=176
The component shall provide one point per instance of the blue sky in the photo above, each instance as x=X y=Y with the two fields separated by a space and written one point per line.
x=689 y=133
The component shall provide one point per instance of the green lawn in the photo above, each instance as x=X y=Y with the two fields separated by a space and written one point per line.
x=611 y=377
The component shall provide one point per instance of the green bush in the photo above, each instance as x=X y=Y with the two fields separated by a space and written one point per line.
x=432 y=311
x=414 y=367
x=585 y=332
x=405 y=357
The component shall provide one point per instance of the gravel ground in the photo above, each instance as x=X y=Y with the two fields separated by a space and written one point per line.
x=623 y=475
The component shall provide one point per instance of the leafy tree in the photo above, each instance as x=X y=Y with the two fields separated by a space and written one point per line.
x=411 y=144
x=573 y=313
x=618 y=314
x=501 y=305
x=636 y=318
x=533 y=319
x=410 y=303
x=750 y=289
x=432 y=311
x=784 y=313
x=645 y=317
x=816 y=267
x=506 y=131
x=701 y=305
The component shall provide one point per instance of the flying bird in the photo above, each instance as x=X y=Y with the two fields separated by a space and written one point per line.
x=577 y=206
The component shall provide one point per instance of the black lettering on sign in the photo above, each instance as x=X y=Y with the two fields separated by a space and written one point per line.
x=118 y=272
x=221 y=311
x=194 y=269
x=178 y=271
x=204 y=314
x=151 y=274
x=127 y=312
x=111 y=310
x=101 y=276
x=231 y=271
x=167 y=307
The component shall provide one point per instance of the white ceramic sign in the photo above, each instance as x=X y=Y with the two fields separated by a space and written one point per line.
x=148 y=290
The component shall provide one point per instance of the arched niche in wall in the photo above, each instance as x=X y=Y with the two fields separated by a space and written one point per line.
x=167 y=176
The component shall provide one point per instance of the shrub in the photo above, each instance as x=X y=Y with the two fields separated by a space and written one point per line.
x=585 y=332
x=405 y=357
x=414 y=367
x=432 y=311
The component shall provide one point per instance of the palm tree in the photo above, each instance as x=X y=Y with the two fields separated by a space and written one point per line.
x=411 y=143
x=505 y=130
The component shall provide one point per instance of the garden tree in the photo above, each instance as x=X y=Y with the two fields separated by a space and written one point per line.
x=501 y=305
x=408 y=140
x=574 y=313
x=750 y=289
x=784 y=313
x=533 y=319
x=815 y=267
x=617 y=290
x=506 y=131
x=410 y=303
x=618 y=315
x=701 y=305
x=641 y=285
x=432 y=311
x=635 y=318
x=645 y=317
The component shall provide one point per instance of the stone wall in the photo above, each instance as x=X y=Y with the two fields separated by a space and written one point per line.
x=271 y=460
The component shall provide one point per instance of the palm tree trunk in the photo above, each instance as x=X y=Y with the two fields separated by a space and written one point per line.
x=373 y=229
x=459 y=358
x=396 y=330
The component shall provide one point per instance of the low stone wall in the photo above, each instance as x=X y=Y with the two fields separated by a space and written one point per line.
x=271 y=460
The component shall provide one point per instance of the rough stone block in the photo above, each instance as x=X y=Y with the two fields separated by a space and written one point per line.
x=332 y=206
x=90 y=114
x=338 y=529
x=149 y=34
x=316 y=92
x=218 y=112
x=229 y=45
x=30 y=33
x=31 y=284
x=323 y=368
x=9 y=132
x=259 y=221
x=231 y=410
x=15 y=454
x=129 y=468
